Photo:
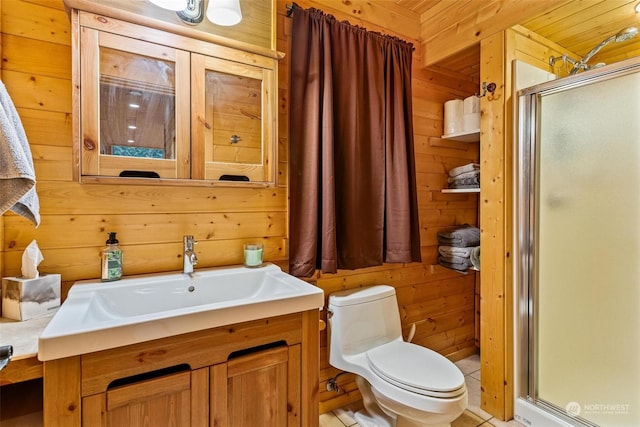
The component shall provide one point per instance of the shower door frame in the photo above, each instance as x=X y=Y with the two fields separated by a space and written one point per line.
x=530 y=410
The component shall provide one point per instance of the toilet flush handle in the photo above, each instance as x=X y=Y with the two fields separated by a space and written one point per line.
x=412 y=332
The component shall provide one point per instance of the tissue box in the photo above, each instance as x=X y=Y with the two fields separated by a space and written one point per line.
x=23 y=299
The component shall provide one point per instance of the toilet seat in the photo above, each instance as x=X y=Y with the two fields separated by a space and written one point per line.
x=416 y=369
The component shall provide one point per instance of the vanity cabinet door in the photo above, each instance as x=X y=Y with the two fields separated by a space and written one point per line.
x=257 y=390
x=178 y=399
x=133 y=98
x=233 y=118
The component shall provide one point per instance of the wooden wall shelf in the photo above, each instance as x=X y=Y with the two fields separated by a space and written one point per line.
x=470 y=136
x=460 y=190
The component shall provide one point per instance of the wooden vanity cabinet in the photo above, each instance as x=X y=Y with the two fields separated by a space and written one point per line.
x=262 y=373
x=153 y=104
x=259 y=389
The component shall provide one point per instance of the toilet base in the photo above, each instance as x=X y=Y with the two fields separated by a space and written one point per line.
x=374 y=416
x=364 y=419
x=408 y=423
x=371 y=415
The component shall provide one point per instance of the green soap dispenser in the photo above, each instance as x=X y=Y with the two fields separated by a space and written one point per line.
x=111 y=260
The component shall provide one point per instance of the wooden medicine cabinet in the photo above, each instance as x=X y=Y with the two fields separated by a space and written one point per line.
x=151 y=104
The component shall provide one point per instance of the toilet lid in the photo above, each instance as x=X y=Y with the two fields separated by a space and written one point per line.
x=417 y=369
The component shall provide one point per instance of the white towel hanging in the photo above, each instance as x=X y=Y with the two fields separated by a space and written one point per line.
x=17 y=174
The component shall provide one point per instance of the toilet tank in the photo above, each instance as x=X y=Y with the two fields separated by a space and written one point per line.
x=360 y=319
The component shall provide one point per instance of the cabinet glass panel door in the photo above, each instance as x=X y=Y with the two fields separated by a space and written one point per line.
x=233 y=127
x=234 y=106
x=130 y=95
x=137 y=118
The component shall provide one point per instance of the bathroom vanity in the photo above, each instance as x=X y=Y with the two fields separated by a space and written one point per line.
x=223 y=347
x=258 y=373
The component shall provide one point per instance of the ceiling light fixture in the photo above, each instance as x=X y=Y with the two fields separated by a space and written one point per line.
x=220 y=12
x=224 y=12
x=637 y=8
x=171 y=4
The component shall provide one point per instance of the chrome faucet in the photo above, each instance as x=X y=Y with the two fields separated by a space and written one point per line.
x=189 y=254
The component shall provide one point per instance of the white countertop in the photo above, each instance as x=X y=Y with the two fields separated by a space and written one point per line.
x=23 y=336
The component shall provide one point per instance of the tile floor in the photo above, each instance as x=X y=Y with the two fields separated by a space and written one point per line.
x=472 y=417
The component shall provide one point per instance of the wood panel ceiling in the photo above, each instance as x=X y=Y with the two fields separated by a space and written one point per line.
x=577 y=25
x=417 y=6
x=580 y=26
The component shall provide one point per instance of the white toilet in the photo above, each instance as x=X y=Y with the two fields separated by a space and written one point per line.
x=402 y=384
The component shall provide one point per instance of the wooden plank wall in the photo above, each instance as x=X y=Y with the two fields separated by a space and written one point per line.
x=254 y=29
x=528 y=46
x=494 y=243
x=452 y=26
x=497 y=181
x=151 y=220
x=440 y=302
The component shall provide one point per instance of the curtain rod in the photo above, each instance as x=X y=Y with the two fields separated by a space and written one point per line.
x=292 y=6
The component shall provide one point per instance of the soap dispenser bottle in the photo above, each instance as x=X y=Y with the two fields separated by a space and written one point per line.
x=111 y=260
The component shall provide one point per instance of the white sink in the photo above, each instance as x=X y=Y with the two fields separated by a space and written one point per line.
x=98 y=316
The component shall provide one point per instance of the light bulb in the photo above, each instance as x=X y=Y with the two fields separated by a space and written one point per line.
x=224 y=12
x=171 y=4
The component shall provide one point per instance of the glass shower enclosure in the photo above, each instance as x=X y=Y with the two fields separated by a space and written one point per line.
x=577 y=305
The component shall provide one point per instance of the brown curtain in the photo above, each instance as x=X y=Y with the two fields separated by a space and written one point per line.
x=352 y=185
